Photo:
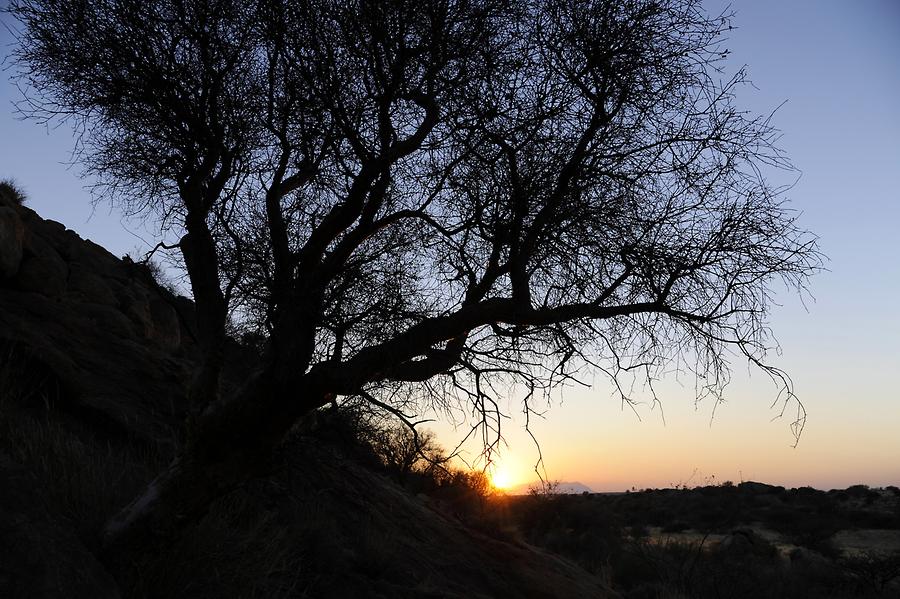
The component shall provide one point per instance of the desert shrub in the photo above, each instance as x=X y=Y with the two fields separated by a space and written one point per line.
x=11 y=192
x=872 y=519
x=857 y=491
x=746 y=567
x=664 y=567
x=660 y=515
x=815 y=535
x=402 y=451
x=464 y=492
x=840 y=496
x=162 y=278
x=635 y=574
x=345 y=425
x=714 y=518
x=874 y=571
x=585 y=530
x=415 y=461
x=743 y=567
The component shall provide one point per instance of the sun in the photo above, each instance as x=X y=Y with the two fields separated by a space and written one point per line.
x=501 y=478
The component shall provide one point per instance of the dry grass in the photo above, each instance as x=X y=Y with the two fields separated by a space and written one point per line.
x=84 y=479
x=11 y=191
x=239 y=549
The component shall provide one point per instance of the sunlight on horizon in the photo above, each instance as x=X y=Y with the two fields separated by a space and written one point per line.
x=501 y=478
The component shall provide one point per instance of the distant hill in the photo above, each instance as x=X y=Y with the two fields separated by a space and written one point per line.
x=563 y=488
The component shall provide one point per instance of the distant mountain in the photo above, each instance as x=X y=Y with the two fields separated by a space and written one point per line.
x=575 y=488
x=563 y=488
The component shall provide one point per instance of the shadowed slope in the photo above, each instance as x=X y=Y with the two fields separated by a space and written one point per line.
x=93 y=378
x=322 y=525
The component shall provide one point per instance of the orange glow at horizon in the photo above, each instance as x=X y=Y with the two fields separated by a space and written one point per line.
x=501 y=478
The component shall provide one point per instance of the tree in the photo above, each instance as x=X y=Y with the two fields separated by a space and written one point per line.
x=402 y=450
x=439 y=200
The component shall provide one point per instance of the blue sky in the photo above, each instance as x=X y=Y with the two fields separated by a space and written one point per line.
x=836 y=64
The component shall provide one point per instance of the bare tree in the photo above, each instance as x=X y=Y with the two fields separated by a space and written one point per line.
x=423 y=200
x=403 y=451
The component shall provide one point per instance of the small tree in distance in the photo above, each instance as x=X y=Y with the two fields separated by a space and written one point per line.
x=423 y=202
x=403 y=450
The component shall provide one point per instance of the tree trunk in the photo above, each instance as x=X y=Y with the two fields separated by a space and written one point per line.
x=198 y=249
x=231 y=442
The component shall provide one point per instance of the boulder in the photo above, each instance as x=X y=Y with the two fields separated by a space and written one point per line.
x=107 y=369
x=153 y=315
x=166 y=326
x=94 y=256
x=46 y=274
x=12 y=236
x=43 y=270
x=102 y=328
x=51 y=228
x=134 y=301
x=85 y=285
x=107 y=318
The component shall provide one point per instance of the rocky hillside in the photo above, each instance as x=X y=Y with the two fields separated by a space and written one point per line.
x=94 y=361
x=114 y=341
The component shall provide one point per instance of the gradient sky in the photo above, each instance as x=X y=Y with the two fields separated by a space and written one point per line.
x=837 y=66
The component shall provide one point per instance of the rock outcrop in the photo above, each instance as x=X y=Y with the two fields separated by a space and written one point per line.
x=12 y=235
x=100 y=326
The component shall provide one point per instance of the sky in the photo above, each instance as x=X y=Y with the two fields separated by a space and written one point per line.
x=833 y=67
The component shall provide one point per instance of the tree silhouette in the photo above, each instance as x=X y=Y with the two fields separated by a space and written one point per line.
x=423 y=199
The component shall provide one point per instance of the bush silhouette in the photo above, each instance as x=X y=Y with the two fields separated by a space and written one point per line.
x=11 y=192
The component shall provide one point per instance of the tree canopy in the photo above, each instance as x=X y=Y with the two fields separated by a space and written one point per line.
x=425 y=200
